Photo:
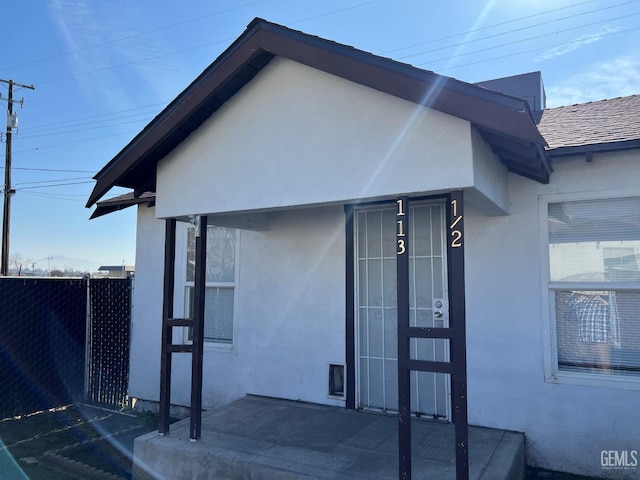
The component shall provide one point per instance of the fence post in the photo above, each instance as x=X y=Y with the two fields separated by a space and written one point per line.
x=87 y=347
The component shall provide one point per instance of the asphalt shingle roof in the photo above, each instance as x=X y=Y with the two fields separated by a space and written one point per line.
x=600 y=122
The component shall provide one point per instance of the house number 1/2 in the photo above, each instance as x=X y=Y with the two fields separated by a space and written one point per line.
x=400 y=233
x=456 y=235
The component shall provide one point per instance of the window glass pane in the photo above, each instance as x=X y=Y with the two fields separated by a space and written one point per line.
x=221 y=253
x=191 y=254
x=374 y=234
x=362 y=234
x=598 y=331
x=388 y=234
x=595 y=240
x=421 y=230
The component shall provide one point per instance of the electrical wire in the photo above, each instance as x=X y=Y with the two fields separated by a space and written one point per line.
x=531 y=51
x=38 y=135
x=527 y=28
x=135 y=35
x=322 y=15
x=60 y=196
x=75 y=141
x=49 y=170
x=156 y=57
x=52 y=181
x=487 y=27
x=61 y=129
x=493 y=47
x=56 y=185
x=50 y=125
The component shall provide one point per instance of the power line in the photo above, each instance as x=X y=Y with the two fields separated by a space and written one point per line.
x=53 y=181
x=176 y=52
x=529 y=27
x=160 y=56
x=493 y=47
x=462 y=34
x=55 y=185
x=135 y=35
x=51 y=170
x=530 y=51
x=59 y=196
x=134 y=62
x=78 y=122
x=70 y=124
x=419 y=64
x=333 y=12
x=97 y=116
x=37 y=135
x=77 y=141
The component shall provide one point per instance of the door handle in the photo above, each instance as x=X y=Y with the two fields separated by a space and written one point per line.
x=438 y=314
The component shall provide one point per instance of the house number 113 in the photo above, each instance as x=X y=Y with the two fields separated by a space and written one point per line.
x=400 y=216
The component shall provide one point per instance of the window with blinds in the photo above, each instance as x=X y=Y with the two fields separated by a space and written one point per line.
x=220 y=283
x=594 y=253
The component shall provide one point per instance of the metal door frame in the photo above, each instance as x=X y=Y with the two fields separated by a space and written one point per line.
x=391 y=207
x=456 y=334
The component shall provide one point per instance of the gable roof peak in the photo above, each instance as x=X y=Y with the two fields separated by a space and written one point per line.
x=489 y=111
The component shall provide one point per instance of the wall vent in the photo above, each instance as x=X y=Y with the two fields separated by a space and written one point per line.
x=336 y=380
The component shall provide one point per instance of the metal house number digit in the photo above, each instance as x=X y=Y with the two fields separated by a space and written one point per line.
x=456 y=235
x=401 y=244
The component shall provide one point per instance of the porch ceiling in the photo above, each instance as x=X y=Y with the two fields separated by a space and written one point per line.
x=504 y=121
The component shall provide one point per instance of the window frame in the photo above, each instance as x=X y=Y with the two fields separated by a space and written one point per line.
x=186 y=284
x=552 y=372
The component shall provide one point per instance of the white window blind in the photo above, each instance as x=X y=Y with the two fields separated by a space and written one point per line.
x=594 y=253
x=218 y=313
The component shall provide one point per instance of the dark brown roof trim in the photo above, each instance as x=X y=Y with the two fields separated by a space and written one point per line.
x=121 y=202
x=134 y=166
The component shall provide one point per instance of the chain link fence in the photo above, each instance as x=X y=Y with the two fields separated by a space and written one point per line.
x=63 y=341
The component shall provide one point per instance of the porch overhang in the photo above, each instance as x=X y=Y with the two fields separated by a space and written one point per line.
x=123 y=201
x=505 y=119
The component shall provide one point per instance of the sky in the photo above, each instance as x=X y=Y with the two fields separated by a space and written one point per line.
x=103 y=70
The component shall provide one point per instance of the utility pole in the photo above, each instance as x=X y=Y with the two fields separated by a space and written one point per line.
x=12 y=122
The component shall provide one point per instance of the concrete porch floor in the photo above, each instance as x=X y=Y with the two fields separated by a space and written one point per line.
x=263 y=438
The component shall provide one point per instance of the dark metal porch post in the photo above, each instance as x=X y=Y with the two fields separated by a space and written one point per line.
x=195 y=430
x=457 y=313
x=350 y=327
x=167 y=329
x=404 y=373
x=455 y=334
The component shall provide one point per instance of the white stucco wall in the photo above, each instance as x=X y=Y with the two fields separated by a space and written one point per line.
x=290 y=320
x=567 y=426
x=146 y=314
x=298 y=136
x=490 y=192
x=289 y=313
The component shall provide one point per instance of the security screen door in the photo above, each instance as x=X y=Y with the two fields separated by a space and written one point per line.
x=377 y=313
